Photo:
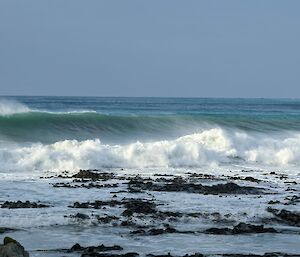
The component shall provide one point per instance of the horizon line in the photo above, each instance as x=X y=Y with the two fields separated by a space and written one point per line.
x=186 y=97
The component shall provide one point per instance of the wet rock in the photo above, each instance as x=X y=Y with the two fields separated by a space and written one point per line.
x=107 y=219
x=131 y=254
x=87 y=174
x=180 y=185
x=289 y=217
x=162 y=215
x=251 y=179
x=81 y=216
x=169 y=255
x=12 y=248
x=87 y=186
x=4 y=230
x=159 y=231
x=194 y=255
x=96 y=204
x=127 y=223
x=241 y=228
x=77 y=247
x=274 y=202
x=20 y=204
x=274 y=254
x=292 y=200
x=139 y=206
x=230 y=188
x=94 y=249
x=218 y=231
x=159 y=255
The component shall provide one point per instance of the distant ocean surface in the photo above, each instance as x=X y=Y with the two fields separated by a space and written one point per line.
x=65 y=133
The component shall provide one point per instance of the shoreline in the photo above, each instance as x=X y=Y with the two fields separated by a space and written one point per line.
x=208 y=213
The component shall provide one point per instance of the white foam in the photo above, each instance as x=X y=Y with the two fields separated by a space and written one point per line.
x=211 y=147
x=9 y=107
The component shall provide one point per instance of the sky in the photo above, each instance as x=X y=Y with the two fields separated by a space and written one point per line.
x=211 y=48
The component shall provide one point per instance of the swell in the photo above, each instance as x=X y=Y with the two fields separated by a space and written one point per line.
x=49 y=127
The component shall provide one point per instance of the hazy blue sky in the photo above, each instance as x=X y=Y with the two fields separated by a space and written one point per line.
x=150 y=48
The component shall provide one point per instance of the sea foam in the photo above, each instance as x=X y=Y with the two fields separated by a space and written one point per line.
x=10 y=107
x=208 y=148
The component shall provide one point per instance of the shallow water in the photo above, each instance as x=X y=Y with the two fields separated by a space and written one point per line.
x=49 y=228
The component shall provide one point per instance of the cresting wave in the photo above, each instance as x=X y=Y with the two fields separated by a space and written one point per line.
x=49 y=127
x=10 y=107
x=211 y=147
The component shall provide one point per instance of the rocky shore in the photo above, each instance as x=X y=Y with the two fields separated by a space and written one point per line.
x=134 y=207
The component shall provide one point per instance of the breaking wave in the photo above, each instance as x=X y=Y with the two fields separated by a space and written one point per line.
x=210 y=147
x=10 y=107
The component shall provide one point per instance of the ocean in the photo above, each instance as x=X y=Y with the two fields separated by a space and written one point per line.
x=65 y=133
x=201 y=166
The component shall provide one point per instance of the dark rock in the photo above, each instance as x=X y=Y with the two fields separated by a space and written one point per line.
x=87 y=174
x=292 y=200
x=169 y=255
x=219 y=231
x=251 y=179
x=87 y=186
x=96 y=204
x=12 y=248
x=81 y=216
x=20 y=204
x=241 y=228
x=139 y=206
x=94 y=249
x=4 y=230
x=180 y=185
x=273 y=202
x=131 y=254
x=107 y=219
x=274 y=254
x=77 y=247
x=159 y=255
x=159 y=231
x=289 y=217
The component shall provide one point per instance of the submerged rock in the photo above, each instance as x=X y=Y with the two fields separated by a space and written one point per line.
x=273 y=254
x=289 y=217
x=139 y=206
x=159 y=231
x=96 y=204
x=20 y=204
x=4 y=230
x=241 y=228
x=81 y=216
x=131 y=254
x=94 y=249
x=97 y=251
x=87 y=174
x=12 y=248
x=181 y=185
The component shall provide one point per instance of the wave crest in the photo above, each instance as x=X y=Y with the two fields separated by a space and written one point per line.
x=10 y=107
x=211 y=147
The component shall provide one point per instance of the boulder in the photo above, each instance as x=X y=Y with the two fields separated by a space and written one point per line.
x=12 y=248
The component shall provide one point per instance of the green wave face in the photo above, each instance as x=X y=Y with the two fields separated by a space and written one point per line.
x=48 y=127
